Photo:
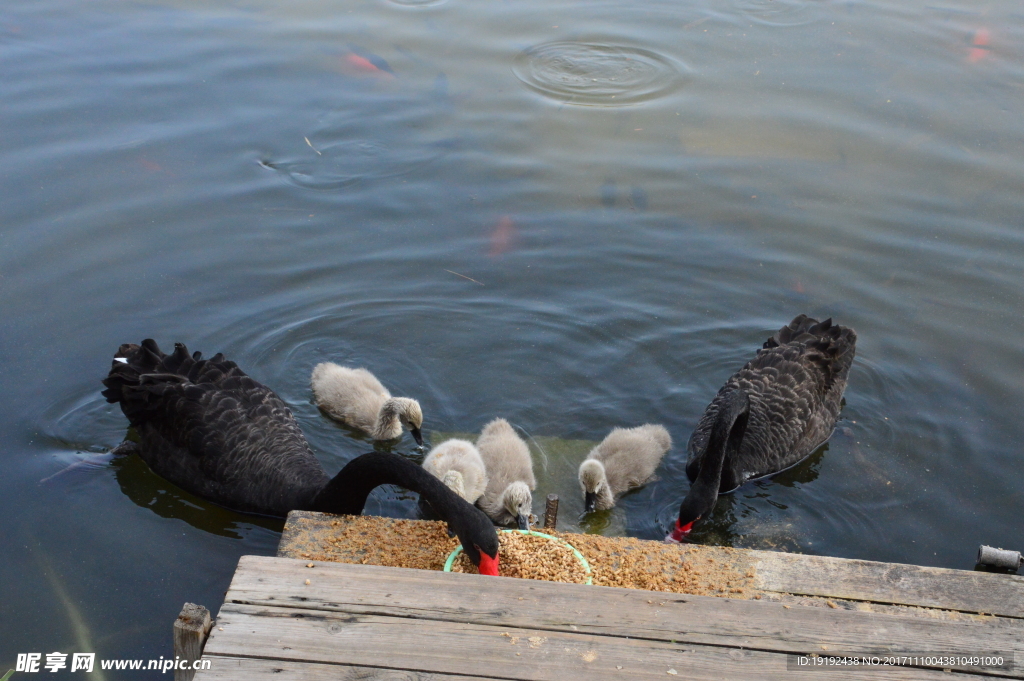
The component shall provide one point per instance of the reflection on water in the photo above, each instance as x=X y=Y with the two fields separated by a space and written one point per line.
x=756 y=515
x=803 y=472
x=148 y=490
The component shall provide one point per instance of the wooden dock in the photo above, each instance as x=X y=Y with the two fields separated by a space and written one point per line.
x=292 y=617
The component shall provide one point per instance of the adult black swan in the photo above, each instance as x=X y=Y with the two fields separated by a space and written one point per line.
x=769 y=415
x=209 y=428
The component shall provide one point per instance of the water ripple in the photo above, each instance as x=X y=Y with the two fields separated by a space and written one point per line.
x=596 y=73
x=778 y=12
x=343 y=163
x=416 y=3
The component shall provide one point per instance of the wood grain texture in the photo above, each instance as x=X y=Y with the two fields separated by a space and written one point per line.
x=353 y=621
x=224 y=668
x=250 y=669
x=547 y=606
x=316 y=636
x=770 y=571
x=864 y=580
x=190 y=632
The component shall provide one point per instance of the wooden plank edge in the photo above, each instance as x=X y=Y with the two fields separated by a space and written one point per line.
x=303 y=630
x=974 y=631
x=256 y=669
x=260 y=669
x=876 y=582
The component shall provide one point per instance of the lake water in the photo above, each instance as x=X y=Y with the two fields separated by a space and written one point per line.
x=573 y=215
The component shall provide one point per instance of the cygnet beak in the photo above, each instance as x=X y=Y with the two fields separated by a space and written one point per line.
x=589 y=502
x=417 y=435
x=524 y=521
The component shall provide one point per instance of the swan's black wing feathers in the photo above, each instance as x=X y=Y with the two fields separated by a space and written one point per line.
x=795 y=384
x=211 y=429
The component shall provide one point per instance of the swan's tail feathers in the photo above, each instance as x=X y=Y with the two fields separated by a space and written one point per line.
x=828 y=346
x=130 y=362
x=138 y=373
x=801 y=325
x=804 y=329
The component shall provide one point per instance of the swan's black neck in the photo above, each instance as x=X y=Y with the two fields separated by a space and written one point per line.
x=726 y=435
x=347 y=492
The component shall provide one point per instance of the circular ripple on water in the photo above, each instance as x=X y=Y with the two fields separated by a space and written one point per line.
x=597 y=74
x=416 y=3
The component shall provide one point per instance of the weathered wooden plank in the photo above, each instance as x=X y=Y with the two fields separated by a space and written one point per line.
x=864 y=580
x=316 y=636
x=190 y=632
x=253 y=669
x=501 y=602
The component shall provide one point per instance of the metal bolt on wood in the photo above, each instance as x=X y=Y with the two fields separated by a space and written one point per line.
x=999 y=558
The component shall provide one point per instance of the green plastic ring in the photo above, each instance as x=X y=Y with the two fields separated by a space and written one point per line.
x=579 y=556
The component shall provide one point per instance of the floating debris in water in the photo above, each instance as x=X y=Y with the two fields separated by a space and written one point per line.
x=464 y=277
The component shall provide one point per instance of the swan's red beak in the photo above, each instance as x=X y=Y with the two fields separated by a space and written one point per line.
x=677 y=535
x=488 y=565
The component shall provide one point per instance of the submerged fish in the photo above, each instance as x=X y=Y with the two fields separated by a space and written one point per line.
x=367 y=62
x=979 y=46
x=502 y=236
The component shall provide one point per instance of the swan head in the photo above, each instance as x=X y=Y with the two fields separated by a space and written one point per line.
x=596 y=492
x=694 y=507
x=410 y=415
x=727 y=433
x=480 y=543
x=478 y=538
x=518 y=502
x=453 y=480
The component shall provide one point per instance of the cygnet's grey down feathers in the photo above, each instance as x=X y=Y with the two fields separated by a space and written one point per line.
x=459 y=465
x=357 y=398
x=510 y=478
x=625 y=459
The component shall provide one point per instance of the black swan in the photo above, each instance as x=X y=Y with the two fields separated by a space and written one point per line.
x=210 y=429
x=769 y=415
x=625 y=459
